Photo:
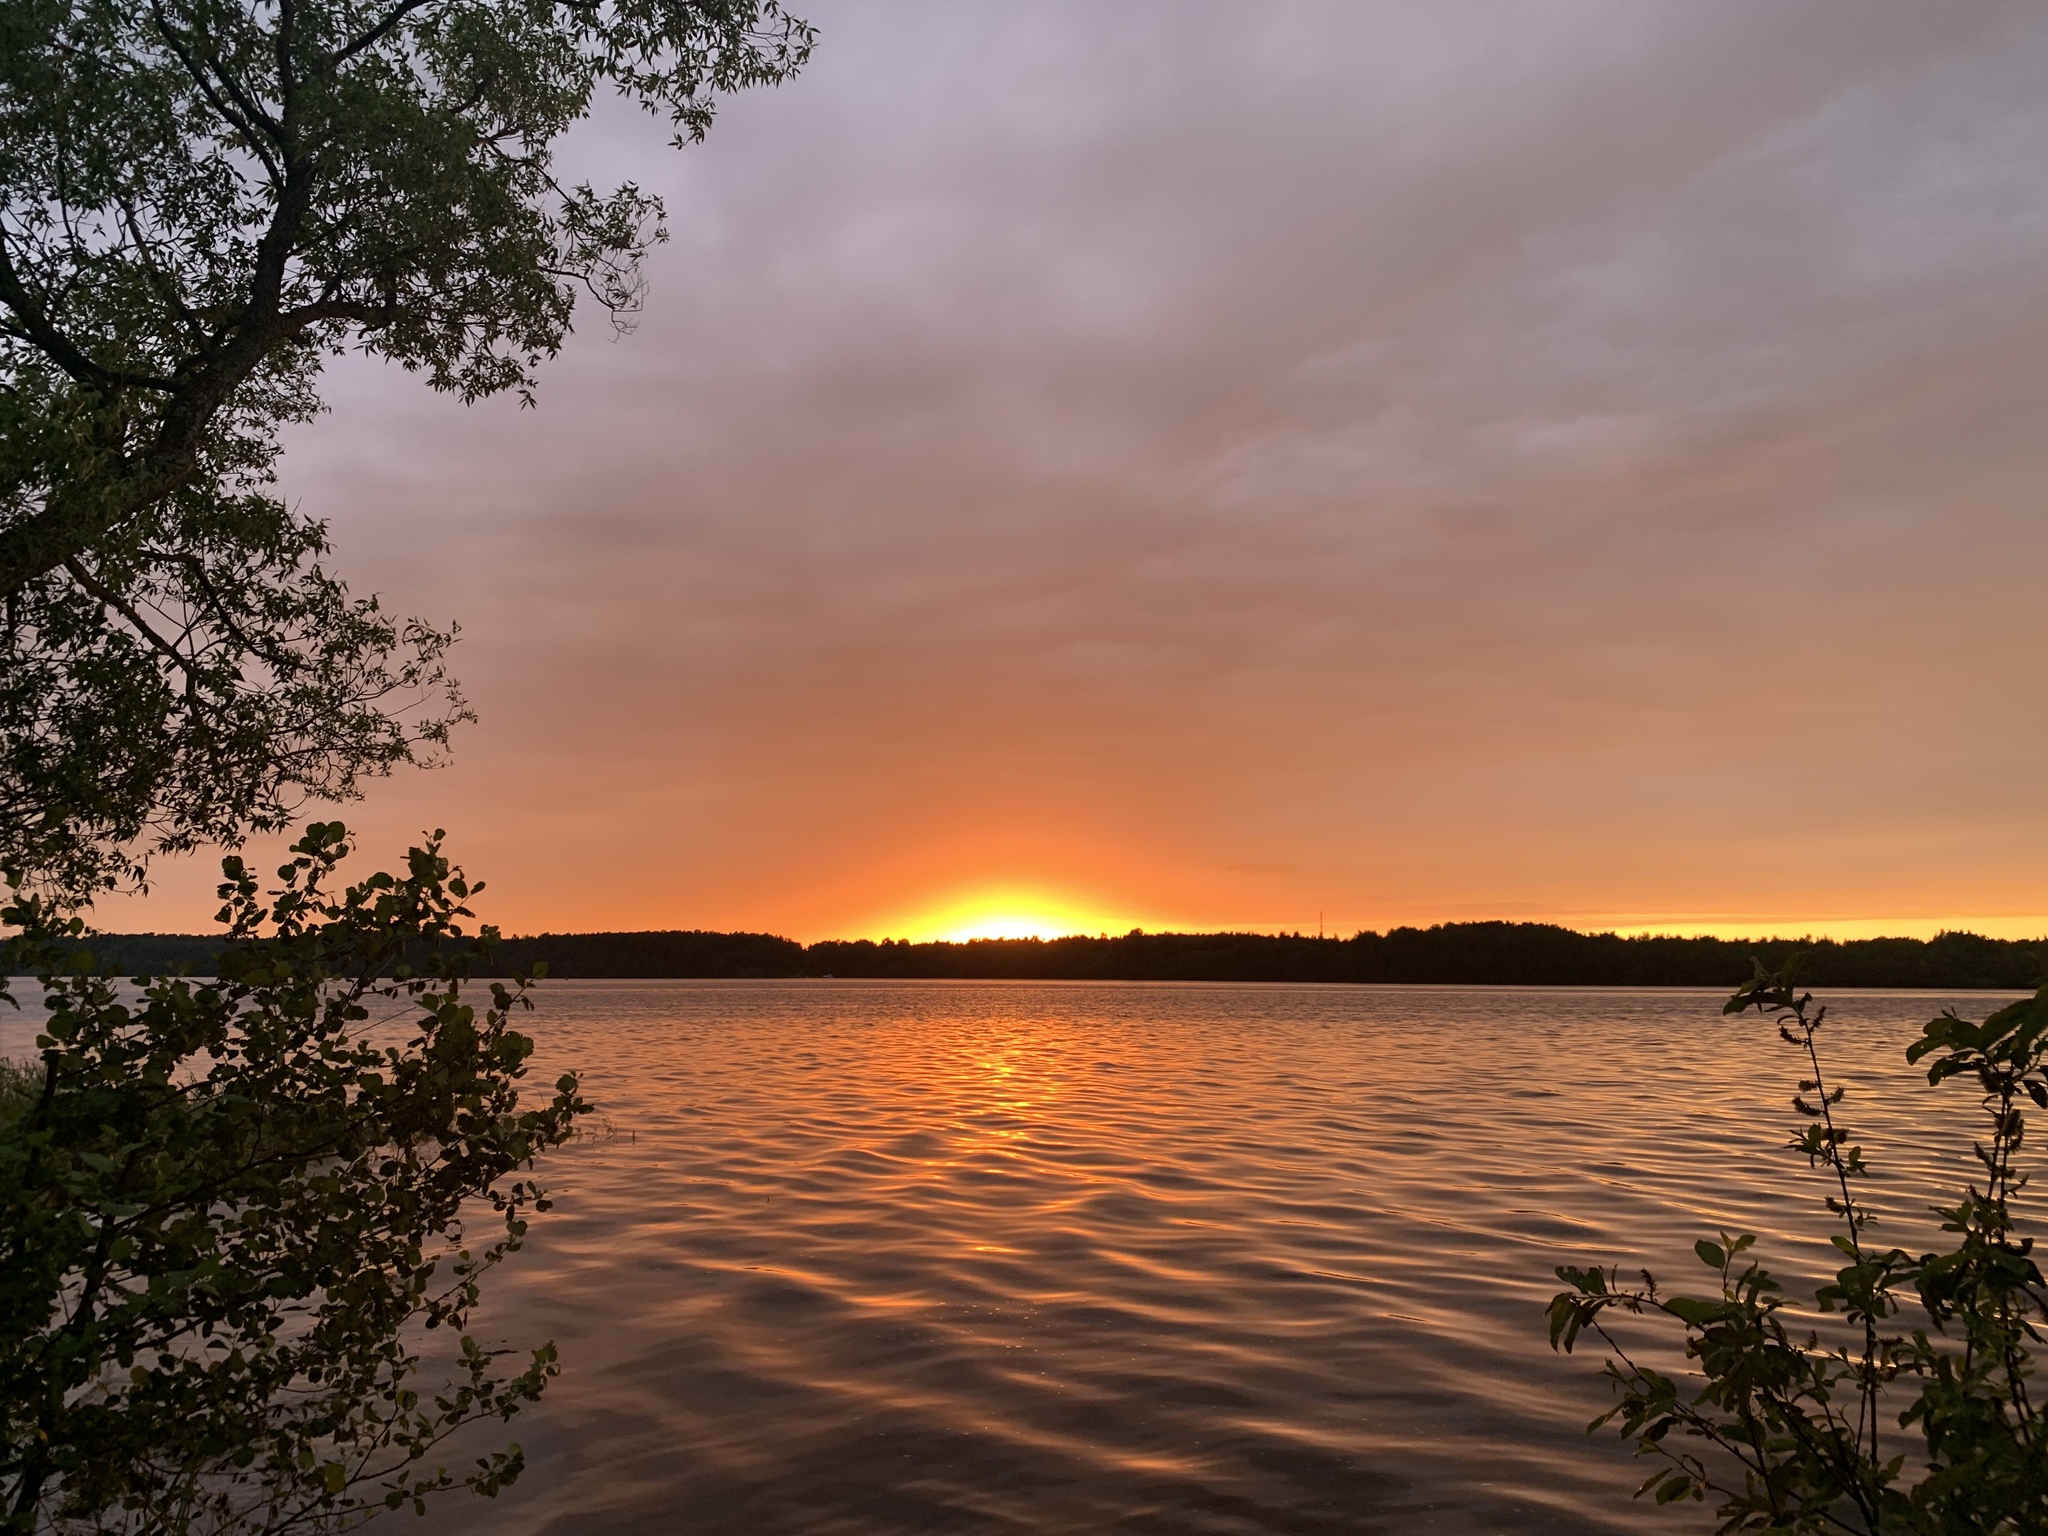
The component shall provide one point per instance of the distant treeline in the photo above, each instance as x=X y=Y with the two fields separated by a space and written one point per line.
x=1469 y=954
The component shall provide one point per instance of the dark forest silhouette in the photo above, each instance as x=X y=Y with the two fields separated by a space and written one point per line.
x=1469 y=954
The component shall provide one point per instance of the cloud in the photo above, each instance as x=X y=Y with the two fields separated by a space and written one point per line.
x=1402 y=460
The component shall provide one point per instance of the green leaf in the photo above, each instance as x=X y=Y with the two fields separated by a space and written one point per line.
x=1694 y=1312
x=1675 y=1488
x=249 y=1280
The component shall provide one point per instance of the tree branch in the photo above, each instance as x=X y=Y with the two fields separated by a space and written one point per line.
x=36 y=329
x=122 y=606
x=246 y=126
x=377 y=33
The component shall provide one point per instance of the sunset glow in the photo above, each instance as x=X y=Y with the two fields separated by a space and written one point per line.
x=1101 y=725
x=1005 y=915
x=1036 y=502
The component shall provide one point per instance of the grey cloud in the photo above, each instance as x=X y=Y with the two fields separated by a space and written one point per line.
x=1397 y=440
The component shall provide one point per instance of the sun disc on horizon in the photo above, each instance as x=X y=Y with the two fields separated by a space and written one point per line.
x=1005 y=915
x=1010 y=925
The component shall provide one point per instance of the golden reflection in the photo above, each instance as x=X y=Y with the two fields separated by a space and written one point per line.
x=998 y=1107
x=991 y=1097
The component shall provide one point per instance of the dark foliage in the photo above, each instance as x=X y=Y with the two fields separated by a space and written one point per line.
x=198 y=685
x=658 y=954
x=200 y=202
x=228 y=1210
x=1792 y=1432
x=1454 y=954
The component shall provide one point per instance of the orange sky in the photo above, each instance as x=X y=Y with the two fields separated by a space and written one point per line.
x=1085 y=467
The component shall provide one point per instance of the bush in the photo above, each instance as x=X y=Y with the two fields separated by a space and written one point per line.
x=1790 y=1434
x=230 y=1209
x=19 y=1083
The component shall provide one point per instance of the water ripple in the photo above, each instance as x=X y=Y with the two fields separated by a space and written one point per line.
x=1160 y=1259
x=1149 y=1258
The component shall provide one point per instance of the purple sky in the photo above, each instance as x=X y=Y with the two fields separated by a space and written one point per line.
x=1199 y=465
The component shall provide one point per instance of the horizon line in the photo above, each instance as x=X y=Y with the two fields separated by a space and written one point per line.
x=1940 y=927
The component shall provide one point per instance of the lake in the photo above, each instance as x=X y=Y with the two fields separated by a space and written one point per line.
x=867 y=1257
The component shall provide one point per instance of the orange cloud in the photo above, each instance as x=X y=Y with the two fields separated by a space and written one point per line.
x=1497 y=469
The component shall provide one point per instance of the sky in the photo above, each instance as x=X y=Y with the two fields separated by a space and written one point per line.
x=1184 y=465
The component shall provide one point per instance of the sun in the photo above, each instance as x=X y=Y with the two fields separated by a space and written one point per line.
x=1008 y=925
x=1005 y=914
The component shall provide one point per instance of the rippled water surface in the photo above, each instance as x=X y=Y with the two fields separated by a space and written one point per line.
x=870 y=1257
x=1021 y=1257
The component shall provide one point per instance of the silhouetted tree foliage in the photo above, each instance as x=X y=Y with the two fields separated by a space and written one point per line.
x=658 y=954
x=1899 y=1400
x=1453 y=954
x=228 y=1210
x=1461 y=954
x=200 y=202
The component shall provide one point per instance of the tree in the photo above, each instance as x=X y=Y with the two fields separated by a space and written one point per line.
x=1787 y=1429
x=200 y=202
x=229 y=1209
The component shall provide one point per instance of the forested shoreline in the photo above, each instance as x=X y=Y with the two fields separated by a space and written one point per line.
x=1468 y=954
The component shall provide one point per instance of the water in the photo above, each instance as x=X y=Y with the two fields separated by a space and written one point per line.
x=1025 y=1257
